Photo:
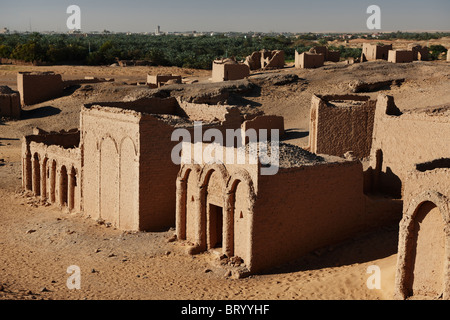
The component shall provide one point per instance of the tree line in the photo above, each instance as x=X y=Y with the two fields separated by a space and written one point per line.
x=166 y=50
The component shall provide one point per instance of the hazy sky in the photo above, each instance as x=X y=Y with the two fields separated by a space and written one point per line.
x=226 y=15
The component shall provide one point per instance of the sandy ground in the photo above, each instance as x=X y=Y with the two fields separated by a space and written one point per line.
x=38 y=243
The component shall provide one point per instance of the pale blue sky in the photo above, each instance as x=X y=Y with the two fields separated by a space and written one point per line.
x=226 y=15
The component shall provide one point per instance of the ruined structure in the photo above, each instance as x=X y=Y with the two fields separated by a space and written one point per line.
x=51 y=167
x=162 y=79
x=329 y=55
x=334 y=117
x=118 y=167
x=309 y=60
x=400 y=56
x=36 y=87
x=402 y=140
x=419 y=53
x=265 y=59
x=229 y=69
x=9 y=103
x=255 y=218
x=371 y=52
x=423 y=267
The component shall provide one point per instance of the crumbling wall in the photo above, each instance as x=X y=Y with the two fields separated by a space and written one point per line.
x=423 y=267
x=9 y=103
x=308 y=60
x=229 y=116
x=400 y=56
x=36 y=87
x=265 y=59
x=86 y=80
x=371 y=52
x=253 y=61
x=339 y=124
x=265 y=122
x=333 y=56
x=400 y=141
x=275 y=60
x=150 y=105
x=156 y=81
x=419 y=53
x=229 y=69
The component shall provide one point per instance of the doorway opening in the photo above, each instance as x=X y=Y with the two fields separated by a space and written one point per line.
x=215 y=226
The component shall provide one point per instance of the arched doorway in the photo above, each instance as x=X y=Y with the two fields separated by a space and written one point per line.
x=427 y=272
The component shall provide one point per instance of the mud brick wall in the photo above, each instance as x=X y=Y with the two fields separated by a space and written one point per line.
x=400 y=56
x=38 y=87
x=334 y=130
x=10 y=105
x=327 y=206
x=372 y=52
x=229 y=71
x=402 y=141
x=308 y=60
x=423 y=268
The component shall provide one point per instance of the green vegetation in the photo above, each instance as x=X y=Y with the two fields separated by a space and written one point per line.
x=171 y=50
x=436 y=51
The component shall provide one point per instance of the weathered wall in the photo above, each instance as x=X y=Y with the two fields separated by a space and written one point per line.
x=423 y=267
x=215 y=207
x=267 y=122
x=223 y=71
x=209 y=113
x=52 y=171
x=36 y=87
x=419 y=53
x=274 y=61
x=341 y=123
x=400 y=56
x=9 y=103
x=371 y=52
x=333 y=56
x=402 y=141
x=156 y=81
x=110 y=145
x=157 y=175
x=265 y=59
x=308 y=60
x=302 y=209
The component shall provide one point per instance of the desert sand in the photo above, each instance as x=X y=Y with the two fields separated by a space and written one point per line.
x=38 y=243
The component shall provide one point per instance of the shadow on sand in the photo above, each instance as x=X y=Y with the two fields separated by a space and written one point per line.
x=40 y=112
x=377 y=244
